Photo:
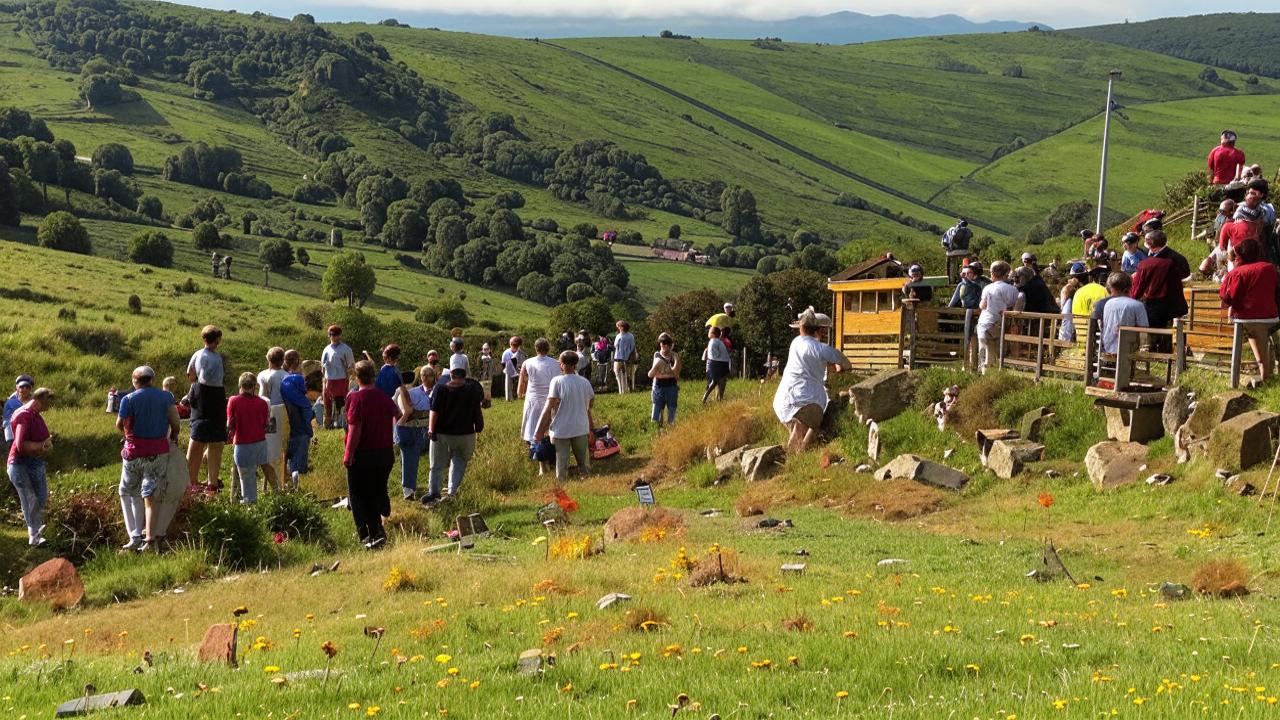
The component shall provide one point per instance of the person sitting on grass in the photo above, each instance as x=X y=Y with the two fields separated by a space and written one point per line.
x=247 y=418
x=568 y=418
x=368 y=457
x=801 y=398
x=1249 y=292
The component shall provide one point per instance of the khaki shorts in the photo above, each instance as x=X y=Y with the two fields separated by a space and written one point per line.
x=809 y=416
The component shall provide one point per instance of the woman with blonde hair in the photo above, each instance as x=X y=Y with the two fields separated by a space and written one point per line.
x=247 y=418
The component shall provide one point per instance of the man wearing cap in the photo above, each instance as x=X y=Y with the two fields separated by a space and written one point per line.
x=32 y=443
x=1029 y=261
x=21 y=396
x=914 y=288
x=801 y=399
x=968 y=292
x=1158 y=284
x=149 y=420
x=1134 y=253
x=1225 y=160
x=1089 y=293
x=456 y=419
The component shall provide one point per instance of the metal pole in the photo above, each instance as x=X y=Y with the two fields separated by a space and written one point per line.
x=1106 y=136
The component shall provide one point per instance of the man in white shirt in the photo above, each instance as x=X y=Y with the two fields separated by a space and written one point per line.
x=997 y=297
x=338 y=360
x=512 y=358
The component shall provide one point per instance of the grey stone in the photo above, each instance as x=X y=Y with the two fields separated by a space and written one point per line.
x=1176 y=410
x=914 y=467
x=1112 y=464
x=530 y=662
x=888 y=562
x=727 y=463
x=1159 y=479
x=1244 y=440
x=1140 y=424
x=1008 y=458
x=1211 y=412
x=1174 y=591
x=863 y=468
x=873 y=441
x=612 y=599
x=884 y=395
x=1031 y=426
x=89 y=703
x=797 y=568
x=763 y=462
x=985 y=438
x=1186 y=444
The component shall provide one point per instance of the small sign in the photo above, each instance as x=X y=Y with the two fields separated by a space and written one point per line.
x=796 y=568
x=645 y=494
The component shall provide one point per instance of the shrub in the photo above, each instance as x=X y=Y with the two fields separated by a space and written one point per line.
x=135 y=305
x=113 y=156
x=151 y=206
x=151 y=248
x=276 y=254
x=446 y=311
x=62 y=231
x=206 y=236
x=296 y=515
x=231 y=534
x=92 y=341
x=80 y=523
x=304 y=257
x=1221 y=578
x=727 y=426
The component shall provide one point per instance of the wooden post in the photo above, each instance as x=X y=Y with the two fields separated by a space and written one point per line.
x=1040 y=352
x=1000 y=355
x=1179 y=348
x=1124 y=360
x=902 y=332
x=1237 y=337
x=1195 y=214
x=910 y=321
x=1091 y=371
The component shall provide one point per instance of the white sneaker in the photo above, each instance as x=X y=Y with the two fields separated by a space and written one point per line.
x=38 y=541
x=294 y=479
x=133 y=544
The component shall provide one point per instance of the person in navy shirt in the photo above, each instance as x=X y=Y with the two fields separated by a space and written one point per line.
x=388 y=380
x=293 y=390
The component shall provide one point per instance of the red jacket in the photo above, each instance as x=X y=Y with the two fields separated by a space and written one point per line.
x=1250 y=291
x=1224 y=162
x=1235 y=232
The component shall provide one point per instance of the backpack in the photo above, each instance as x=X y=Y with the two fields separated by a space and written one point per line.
x=957 y=238
x=601 y=353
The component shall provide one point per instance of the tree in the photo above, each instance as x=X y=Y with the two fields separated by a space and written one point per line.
x=684 y=316
x=673 y=232
x=313 y=193
x=42 y=161
x=151 y=206
x=578 y=291
x=406 y=227
x=206 y=237
x=804 y=237
x=100 y=91
x=505 y=226
x=111 y=184
x=246 y=222
x=206 y=210
x=9 y=201
x=62 y=231
x=769 y=303
x=275 y=253
x=816 y=258
x=304 y=257
x=739 y=217
x=348 y=277
x=591 y=314
x=772 y=263
x=448 y=312
x=151 y=247
x=113 y=156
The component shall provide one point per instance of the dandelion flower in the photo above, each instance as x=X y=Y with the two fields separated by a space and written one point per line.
x=842 y=694
x=271 y=669
x=443 y=659
x=372 y=710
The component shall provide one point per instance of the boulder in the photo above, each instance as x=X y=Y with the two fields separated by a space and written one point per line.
x=1140 y=424
x=1008 y=458
x=1176 y=410
x=1112 y=464
x=761 y=463
x=219 y=644
x=727 y=463
x=1212 y=412
x=986 y=438
x=530 y=662
x=1033 y=422
x=914 y=467
x=1244 y=440
x=89 y=703
x=612 y=599
x=883 y=396
x=53 y=581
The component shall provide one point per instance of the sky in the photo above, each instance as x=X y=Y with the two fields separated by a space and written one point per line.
x=1057 y=14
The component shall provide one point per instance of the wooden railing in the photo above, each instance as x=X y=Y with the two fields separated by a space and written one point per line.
x=1029 y=343
x=939 y=336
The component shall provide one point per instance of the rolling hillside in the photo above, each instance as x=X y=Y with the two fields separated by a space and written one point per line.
x=1244 y=42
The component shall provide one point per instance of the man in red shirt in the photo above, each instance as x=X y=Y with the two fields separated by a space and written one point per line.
x=368 y=456
x=1226 y=160
x=1249 y=292
x=1158 y=284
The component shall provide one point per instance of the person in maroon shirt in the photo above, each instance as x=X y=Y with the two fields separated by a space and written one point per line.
x=1158 y=284
x=368 y=456
x=1249 y=292
x=1225 y=160
x=32 y=443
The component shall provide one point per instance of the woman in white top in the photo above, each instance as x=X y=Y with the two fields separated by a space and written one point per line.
x=536 y=375
x=411 y=430
x=269 y=389
x=567 y=417
x=801 y=399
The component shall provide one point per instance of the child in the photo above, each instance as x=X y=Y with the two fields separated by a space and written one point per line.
x=170 y=385
x=247 y=418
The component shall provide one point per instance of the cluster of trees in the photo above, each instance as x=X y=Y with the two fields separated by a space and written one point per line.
x=217 y=167
x=100 y=83
x=1066 y=219
x=850 y=200
x=1244 y=42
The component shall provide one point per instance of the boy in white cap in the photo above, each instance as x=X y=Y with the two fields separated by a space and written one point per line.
x=148 y=418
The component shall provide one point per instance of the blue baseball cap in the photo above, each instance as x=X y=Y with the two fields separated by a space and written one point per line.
x=1077 y=268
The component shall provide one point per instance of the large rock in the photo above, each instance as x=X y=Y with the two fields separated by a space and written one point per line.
x=1127 y=424
x=1176 y=410
x=763 y=462
x=883 y=396
x=219 y=644
x=1212 y=412
x=1008 y=458
x=729 y=462
x=53 y=581
x=1033 y=423
x=1112 y=464
x=1244 y=440
x=914 y=467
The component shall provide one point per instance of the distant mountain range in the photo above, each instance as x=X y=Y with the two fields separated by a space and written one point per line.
x=835 y=28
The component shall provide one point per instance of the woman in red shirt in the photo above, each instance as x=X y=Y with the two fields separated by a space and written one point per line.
x=32 y=442
x=368 y=456
x=1249 y=292
x=247 y=418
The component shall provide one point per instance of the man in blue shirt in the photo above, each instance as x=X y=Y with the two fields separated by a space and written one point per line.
x=148 y=419
x=624 y=356
x=388 y=379
x=293 y=390
x=1134 y=253
x=21 y=396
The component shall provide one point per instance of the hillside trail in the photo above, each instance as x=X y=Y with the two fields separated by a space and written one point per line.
x=779 y=142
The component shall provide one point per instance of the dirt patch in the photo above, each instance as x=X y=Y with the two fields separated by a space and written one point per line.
x=727 y=426
x=721 y=567
x=1221 y=578
x=895 y=500
x=630 y=523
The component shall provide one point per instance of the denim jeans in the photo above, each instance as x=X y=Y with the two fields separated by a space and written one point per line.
x=453 y=452
x=412 y=441
x=296 y=452
x=28 y=478
x=665 y=397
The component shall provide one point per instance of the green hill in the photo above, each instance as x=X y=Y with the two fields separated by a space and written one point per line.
x=1244 y=42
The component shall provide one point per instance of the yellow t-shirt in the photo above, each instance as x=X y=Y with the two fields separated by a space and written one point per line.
x=1082 y=302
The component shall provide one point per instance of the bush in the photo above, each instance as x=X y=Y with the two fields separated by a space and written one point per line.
x=135 y=305
x=62 y=231
x=91 y=341
x=151 y=248
x=113 y=156
x=296 y=515
x=206 y=236
x=276 y=254
x=446 y=311
x=151 y=206
x=231 y=534
x=304 y=257
x=313 y=193
x=80 y=523
x=545 y=225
